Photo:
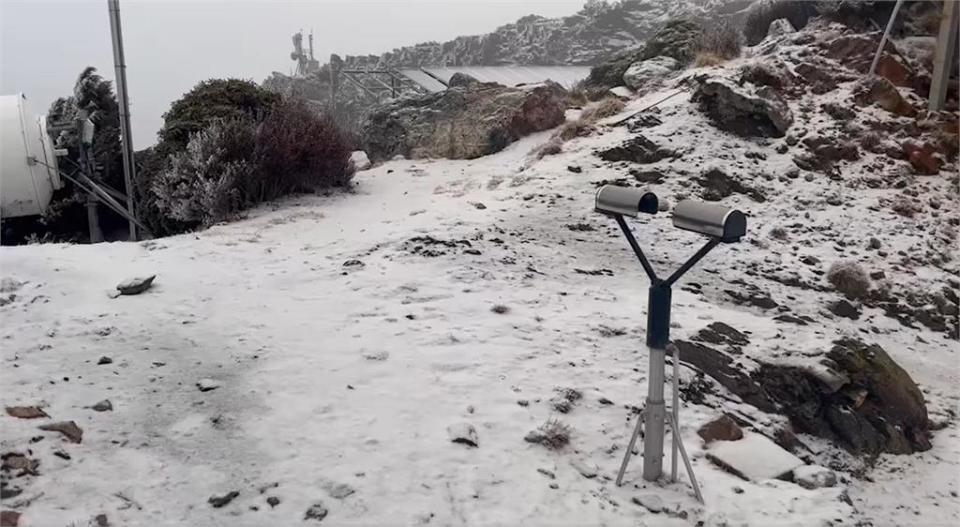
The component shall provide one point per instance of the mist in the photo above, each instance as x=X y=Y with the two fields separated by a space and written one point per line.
x=171 y=45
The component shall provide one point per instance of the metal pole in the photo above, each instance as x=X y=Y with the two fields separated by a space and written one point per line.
x=126 y=136
x=655 y=410
x=886 y=34
x=658 y=335
x=944 y=57
x=676 y=412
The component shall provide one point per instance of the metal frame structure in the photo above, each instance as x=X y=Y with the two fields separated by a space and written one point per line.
x=721 y=225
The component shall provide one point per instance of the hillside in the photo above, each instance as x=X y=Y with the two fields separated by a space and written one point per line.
x=317 y=351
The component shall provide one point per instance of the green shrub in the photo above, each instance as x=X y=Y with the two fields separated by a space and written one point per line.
x=213 y=100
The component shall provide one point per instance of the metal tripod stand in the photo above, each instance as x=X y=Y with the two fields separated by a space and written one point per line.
x=654 y=413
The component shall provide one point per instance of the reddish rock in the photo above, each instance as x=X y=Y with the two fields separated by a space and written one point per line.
x=923 y=157
x=895 y=70
x=880 y=91
x=723 y=428
x=9 y=518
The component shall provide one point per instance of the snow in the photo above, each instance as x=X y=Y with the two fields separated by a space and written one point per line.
x=754 y=457
x=335 y=376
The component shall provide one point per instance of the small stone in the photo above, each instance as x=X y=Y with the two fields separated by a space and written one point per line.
x=575 y=169
x=353 y=263
x=136 y=285
x=477 y=205
x=547 y=473
x=554 y=486
x=61 y=454
x=523 y=402
x=104 y=360
x=205 y=385
x=316 y=512
x=873 y=244
x=652 y=503
x=101 y=520
x=845 y=309
x=878 y=275
x=220 y=501
x=604 y=401
x=723 y=428
x=586 y=468
x=273 y=501
x=69 y=429
x=103 y=406
x=500 y=309
x=738 y=490
x=338 y=490
x=814 y=477
x=834 y=200
x=26 y=412
x=9 y=518
x=810 y=260
x=463 y=433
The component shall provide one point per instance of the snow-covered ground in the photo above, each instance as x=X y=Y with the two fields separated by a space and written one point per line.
x=345 y=343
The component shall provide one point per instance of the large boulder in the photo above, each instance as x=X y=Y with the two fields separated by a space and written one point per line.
x=677 y=39
x=463 y=122
x=857 y=395
x=744 y=110
x=642 y=72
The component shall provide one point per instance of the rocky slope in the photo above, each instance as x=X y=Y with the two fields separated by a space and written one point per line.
x=597 y=30
x=399 y=354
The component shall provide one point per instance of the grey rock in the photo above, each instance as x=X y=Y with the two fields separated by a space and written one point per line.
x=640 y=73
x=317 y=511
x=744 y=110
x=780 y=26
x=814 y=477
x=273 y=501
x=102 y=406
x=463 y=433
x=461 y=122
x=652 y=503
x=585 y=467
x=220 y=501
x=206 y=385
x=136 y=285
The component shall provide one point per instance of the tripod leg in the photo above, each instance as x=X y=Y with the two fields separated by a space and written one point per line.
x=629 y=452
x=676 y=413
x=686 y=460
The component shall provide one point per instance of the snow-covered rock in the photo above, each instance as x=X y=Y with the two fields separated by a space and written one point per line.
x=780 y=26
x=640 y=73
x=360 y=160
x=754 y=458
x=814 y=477
x=463 y=433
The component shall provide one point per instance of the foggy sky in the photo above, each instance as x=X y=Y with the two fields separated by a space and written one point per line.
x=171 y=45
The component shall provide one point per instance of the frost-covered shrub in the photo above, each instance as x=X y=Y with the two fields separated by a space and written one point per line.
x=552 y=147
x=849 y=278
x=572 y=129
x=202 y=184
x=721 y=40
x=298 y=150
x=602 y=109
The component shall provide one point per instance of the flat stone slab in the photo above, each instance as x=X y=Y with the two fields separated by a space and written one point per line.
x=753 y=458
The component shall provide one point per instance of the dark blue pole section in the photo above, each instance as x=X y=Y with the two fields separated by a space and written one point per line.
x=658 y=315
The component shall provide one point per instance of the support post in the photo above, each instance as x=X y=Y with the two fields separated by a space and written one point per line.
x=126 y=136
x=658 y=335
x=886 y=35
x=93 y=220
x=945 y=55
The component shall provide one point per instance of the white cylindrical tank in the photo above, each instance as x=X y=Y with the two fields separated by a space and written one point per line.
x=28 y=163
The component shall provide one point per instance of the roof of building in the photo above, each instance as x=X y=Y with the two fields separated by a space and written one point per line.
x=566 y=76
